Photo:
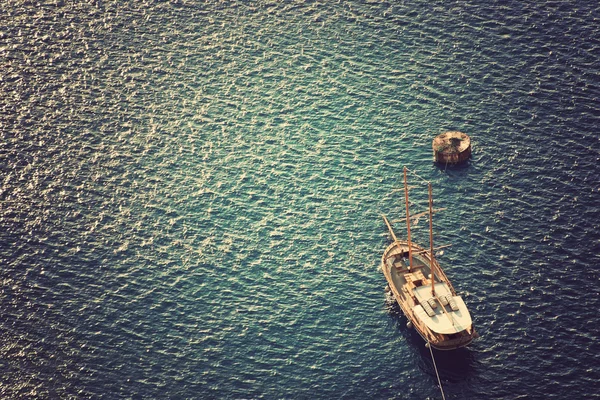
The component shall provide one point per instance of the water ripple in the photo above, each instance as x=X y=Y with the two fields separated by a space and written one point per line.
x=191 y=196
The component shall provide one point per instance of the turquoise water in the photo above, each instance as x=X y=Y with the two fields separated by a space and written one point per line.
x=192 y=193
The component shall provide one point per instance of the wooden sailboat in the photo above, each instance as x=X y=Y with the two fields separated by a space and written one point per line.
x=423 y=290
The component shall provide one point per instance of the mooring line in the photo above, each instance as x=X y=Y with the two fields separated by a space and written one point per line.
x=436 y=371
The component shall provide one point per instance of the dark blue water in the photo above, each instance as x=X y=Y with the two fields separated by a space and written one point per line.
x=191 y=197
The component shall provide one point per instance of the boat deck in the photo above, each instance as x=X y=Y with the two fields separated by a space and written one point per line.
x=445 y=320
x=414 y=286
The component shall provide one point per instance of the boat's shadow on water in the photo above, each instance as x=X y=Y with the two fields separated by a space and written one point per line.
x=453 y=366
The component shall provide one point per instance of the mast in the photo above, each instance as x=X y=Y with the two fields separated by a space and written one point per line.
x=431 y=239
x=410 y=262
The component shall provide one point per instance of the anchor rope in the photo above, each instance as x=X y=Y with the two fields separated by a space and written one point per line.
x=436 y=371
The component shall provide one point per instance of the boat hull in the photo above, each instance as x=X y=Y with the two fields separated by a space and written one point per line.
x=447 y=329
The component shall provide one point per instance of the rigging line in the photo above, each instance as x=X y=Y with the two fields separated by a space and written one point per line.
x=418 y=176
x=436 y=371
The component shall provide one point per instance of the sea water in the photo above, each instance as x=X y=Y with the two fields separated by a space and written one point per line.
x=191 y=197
